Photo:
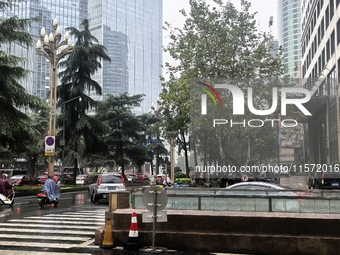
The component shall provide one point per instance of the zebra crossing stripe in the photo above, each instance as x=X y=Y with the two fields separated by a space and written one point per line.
x=36 y=244
x=56 y=225
x=71 y=222
x=44 y=237
x=67 y=231
x=48 y=231
x=66 y=218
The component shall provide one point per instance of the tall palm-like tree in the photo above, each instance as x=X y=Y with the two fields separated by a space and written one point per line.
x=81 y=129
x=14 y=133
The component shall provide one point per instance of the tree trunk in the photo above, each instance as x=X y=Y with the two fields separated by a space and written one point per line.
x=75 y=171
x=185 y=147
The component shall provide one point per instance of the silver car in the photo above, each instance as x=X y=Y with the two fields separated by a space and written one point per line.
x=105 y=184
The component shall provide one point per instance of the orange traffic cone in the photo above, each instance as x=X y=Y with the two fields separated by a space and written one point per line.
x=132 y=243
x=108 y=238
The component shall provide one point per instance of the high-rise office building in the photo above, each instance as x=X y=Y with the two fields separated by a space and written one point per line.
x=320 y=67
x=69 y=13
x=132 y=33
x=131 y=30
x=289 y=33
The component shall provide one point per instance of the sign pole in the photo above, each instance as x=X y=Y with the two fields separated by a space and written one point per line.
x=154 y=219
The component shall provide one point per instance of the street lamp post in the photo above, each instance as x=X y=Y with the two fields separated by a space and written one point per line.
x=62 y=142
x=53 y=49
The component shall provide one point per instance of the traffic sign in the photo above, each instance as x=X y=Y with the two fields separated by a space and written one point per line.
x=147 y=217
x=149 y=198
x=49 y=146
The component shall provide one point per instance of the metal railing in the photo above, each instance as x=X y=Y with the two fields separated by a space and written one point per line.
x=295 y=201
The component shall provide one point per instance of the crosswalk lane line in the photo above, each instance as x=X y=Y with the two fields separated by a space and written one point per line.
x=48 y=231
x=46 y=226
x=44 y=237
x=64 y=218
x=59 y=232
x=36 y=244
x=71 y=222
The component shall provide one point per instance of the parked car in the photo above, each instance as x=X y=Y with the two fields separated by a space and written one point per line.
x=131 y=177
x=256 y=185
x=106 y=183
x=324 y=180
x=68 y=173
x=81 y=179
x=142 y=177
x=20 y=180
x=257 y=188
x=42 y=178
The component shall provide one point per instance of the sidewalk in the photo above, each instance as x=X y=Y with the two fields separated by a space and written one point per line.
x=121 y=251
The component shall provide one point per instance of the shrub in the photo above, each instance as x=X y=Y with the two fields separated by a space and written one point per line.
x=183 y=180
x=180 y=175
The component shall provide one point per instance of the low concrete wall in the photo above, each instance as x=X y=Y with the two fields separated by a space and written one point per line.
x=256 y=233
x=227 y=231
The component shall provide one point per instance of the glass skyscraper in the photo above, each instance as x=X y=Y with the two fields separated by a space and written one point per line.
x=69 y=13
x=289 y=24
x=131 y=30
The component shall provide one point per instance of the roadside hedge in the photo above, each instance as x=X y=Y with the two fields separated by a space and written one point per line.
x=30 y=190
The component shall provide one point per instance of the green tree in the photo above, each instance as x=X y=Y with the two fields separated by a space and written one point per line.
x=176 y=112
x=13 y=97
x=125 y=128
x=36 y=147
x=153 y=138
x=218 y=43
x=82 y=130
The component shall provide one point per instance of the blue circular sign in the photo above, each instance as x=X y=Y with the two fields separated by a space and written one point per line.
x=50 y=141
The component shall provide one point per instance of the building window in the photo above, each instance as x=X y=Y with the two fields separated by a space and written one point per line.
x=328 y=55
x=332 y=42
x=331 y=9
x=338 y=31
x=327 y=17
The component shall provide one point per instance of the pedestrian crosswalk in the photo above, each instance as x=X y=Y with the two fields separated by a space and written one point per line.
x=52 y=234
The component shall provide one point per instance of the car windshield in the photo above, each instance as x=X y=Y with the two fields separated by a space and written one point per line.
x=111 y=179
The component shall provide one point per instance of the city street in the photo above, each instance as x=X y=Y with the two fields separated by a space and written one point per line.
x=26 y=229
x=68 y=229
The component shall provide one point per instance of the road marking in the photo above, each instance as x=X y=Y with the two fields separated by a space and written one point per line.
x=59 y=234
x=55 y=225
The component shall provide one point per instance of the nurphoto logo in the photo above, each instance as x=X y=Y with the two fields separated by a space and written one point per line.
x=288 y=96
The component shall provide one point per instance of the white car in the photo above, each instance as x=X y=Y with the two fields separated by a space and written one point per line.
x=106 y=183
x=81 y=179
x=256 y=185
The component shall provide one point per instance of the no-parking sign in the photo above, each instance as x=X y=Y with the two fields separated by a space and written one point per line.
x=49 y=146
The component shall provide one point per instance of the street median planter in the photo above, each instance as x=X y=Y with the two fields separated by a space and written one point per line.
x=31 y=190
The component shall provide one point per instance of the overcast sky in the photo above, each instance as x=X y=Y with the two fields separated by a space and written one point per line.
x=264 y=9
